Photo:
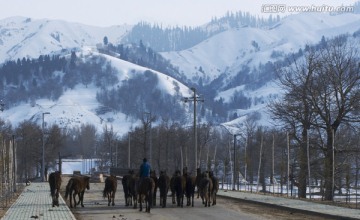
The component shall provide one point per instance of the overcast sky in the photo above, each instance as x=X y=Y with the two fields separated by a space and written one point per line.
x=166 y=12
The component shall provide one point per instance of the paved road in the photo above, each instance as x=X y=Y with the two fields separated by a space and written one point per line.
x=35 y=203
x=96 y=208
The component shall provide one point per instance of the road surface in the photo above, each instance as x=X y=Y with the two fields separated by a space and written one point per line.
x=96 y=208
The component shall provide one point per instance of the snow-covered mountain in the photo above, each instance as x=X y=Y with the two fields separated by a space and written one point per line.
x=78 y=106
x=23 y=37
x=230 y=50
x=224 y=54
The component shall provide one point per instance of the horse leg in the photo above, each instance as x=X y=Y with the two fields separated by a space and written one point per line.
x=208 y=200
x=113 y=198
x=173 y=197
x=134 y=198
x=70 y=200
x=56 y=198
x=192 y=200
x=182 y=200
x=82 y=198
x=109 y=198
x=165 y=199
x=148 y=198
x=126 y=199
x=53 y=201
x=154 y=202
x=73 y=195
x=149 y=202
x=140 y=201
x=79 y=195
x=177 y=199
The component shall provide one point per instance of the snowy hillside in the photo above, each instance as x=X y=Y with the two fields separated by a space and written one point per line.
x=23 y=37
x=224 y=54
x=78 y=106
x=228 y=51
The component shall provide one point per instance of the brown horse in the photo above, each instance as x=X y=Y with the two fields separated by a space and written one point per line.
x=145 y=191
x=164 y=184
x=215 y=189
x=110 y=189
x=55 y=184
x=133 y=188
x=76 y=186
x=179 y=188
x=205 y=188
x=172 y=188
x=190 y=189
x=199 y=176
x=125 y=183
x=154 y=177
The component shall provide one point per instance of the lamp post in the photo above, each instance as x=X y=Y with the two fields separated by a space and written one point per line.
x=14 y=162
x=43 y=148
x=195 y=99
x=150 y=141
x=129 y=149
x=234 y=163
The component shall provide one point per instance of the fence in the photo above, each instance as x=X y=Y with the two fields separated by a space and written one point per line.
x=8 y=184
x=346 y=197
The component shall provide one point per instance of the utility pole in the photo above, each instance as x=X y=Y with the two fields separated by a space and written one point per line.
x=195 y=99
x=234 y=163
x=14 y=162
x=129 y=149
x=150 y=141
x=43 y=148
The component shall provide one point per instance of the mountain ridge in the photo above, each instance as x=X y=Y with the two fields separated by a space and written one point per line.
x=222 y=57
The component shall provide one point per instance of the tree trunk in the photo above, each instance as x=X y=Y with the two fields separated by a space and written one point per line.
x=328 y=172
x=303 y=166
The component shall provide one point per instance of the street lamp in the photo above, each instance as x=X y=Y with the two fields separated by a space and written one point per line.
x=195 y=99
x=14 y=162
x=150 y=141
x=129 y=149
x=234 y=163
x=43 y=148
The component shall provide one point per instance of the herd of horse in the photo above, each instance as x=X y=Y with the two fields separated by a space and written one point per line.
x=144 y=189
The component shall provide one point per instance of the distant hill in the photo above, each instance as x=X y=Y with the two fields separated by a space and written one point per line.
x=117 y=80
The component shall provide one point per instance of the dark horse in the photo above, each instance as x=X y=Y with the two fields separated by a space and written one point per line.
x=215 y=189
x=172 y=188
x=76 y=186
x=179 y=187
x=190 y=189
x=145 y=191
x=205 y=188
x=164 y=184
x=55 y=184
x=126 y=188
x=154 y=177
x=110 y=189
x=133 y=188
x=199 y=176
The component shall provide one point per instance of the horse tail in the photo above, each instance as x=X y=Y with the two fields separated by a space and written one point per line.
x=52 y=184
x=104 y=193
x=68 y=188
